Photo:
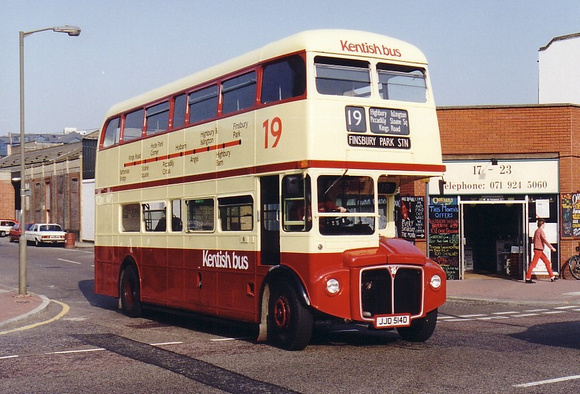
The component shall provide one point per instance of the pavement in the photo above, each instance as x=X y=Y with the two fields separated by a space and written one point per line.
x=16 y=309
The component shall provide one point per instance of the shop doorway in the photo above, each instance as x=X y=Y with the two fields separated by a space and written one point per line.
x=494 y=237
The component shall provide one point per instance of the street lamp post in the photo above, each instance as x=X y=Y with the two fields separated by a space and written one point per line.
x=22 y=269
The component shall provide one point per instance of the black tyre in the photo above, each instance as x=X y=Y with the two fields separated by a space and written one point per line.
x=290 y=323
x=130 y=292
x=574 y=265
x=37 y=243
x=420 y=329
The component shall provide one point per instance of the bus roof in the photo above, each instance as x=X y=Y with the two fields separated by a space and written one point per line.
x=331 y=41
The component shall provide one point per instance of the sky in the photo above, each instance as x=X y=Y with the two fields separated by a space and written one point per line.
x=479 y=52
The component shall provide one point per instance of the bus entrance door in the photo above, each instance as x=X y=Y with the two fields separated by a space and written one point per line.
x=270 y=220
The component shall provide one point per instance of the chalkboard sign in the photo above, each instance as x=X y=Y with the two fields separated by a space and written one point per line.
x=570 y=214
x=444 y=234
x=412 y=217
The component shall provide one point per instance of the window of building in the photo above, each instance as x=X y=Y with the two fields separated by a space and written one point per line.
x=203 y=104
x=283 y=79
x=200 y=214
x=236 y=213
x=342 y=77
x=133 y=125
x=402 y=83
x=239 y=93
x=157 y=118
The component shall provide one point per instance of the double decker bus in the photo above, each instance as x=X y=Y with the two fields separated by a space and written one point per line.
x=263 y=189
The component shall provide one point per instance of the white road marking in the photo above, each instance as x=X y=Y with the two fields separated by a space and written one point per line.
x=228 y=339
x=98 y=349
x=547 y=381
x=70 y=261
x=508 y=314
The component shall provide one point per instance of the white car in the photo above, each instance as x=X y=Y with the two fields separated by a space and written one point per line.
x=45 y=233
x=5 y=226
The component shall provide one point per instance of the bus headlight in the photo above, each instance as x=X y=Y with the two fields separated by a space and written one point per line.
x=332 y=286
x=435 y=281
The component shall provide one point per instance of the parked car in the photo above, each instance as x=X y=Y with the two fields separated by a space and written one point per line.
x=45 y=233
x=14 y=232
x=5 y=226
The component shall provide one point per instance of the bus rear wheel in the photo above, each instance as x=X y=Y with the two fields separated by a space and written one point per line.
x=420 y=329
x=290 y=323
x=130 y=292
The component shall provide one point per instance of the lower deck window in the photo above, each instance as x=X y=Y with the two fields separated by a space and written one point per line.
x=130 y=217
x=200 y=214
x=236 y=213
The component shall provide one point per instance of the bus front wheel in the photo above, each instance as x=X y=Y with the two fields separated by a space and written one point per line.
x=420 y=329
x=130 y=292
x=290 y=323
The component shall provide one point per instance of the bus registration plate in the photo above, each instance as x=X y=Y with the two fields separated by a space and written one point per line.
x=393 y=321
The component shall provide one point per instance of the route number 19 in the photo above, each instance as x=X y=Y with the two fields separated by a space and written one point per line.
x=355 y=119
x=272 y=128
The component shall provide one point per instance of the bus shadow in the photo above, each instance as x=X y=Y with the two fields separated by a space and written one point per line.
x=87 y=289
x=562 y=334
x=202 y=323
x=335 y=335
x=353 y=335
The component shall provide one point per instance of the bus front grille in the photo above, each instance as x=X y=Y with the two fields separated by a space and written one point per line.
x=391 y=290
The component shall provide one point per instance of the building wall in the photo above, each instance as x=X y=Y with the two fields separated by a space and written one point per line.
x=518 y=131
x=55 y=194
x=7 y=196
x=558 y=70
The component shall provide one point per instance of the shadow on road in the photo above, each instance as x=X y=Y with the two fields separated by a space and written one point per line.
x=564 y=334
x=87 y=288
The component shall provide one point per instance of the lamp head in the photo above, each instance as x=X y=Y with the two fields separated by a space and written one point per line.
x=72 y=31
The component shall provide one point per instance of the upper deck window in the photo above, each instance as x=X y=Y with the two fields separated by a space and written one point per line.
x=179 y=111
x=342 y=77
x=239 y=93
x=283 y=79
x=112 y=132
x=133 y=125
x=203 y=104
x=402 y=83
x=157 y=118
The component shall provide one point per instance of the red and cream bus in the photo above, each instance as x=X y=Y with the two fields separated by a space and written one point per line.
x=263 y=190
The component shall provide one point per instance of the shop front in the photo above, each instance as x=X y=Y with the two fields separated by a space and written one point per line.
x=483 y=213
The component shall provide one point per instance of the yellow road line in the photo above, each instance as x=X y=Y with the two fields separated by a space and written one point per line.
x=65 y=309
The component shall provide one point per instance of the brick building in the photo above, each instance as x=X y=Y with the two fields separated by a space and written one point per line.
x=7 y=195
x=506 y=167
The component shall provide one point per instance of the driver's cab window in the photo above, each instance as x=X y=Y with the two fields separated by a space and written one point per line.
x=296 y=203
x=346 y=205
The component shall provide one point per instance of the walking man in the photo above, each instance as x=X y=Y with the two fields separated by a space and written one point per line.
x=539 y=242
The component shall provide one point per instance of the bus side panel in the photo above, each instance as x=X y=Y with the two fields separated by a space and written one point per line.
x=106 y=271
x=237 y=288
x=175 y=275
x=153 y=272
x=200 y=283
